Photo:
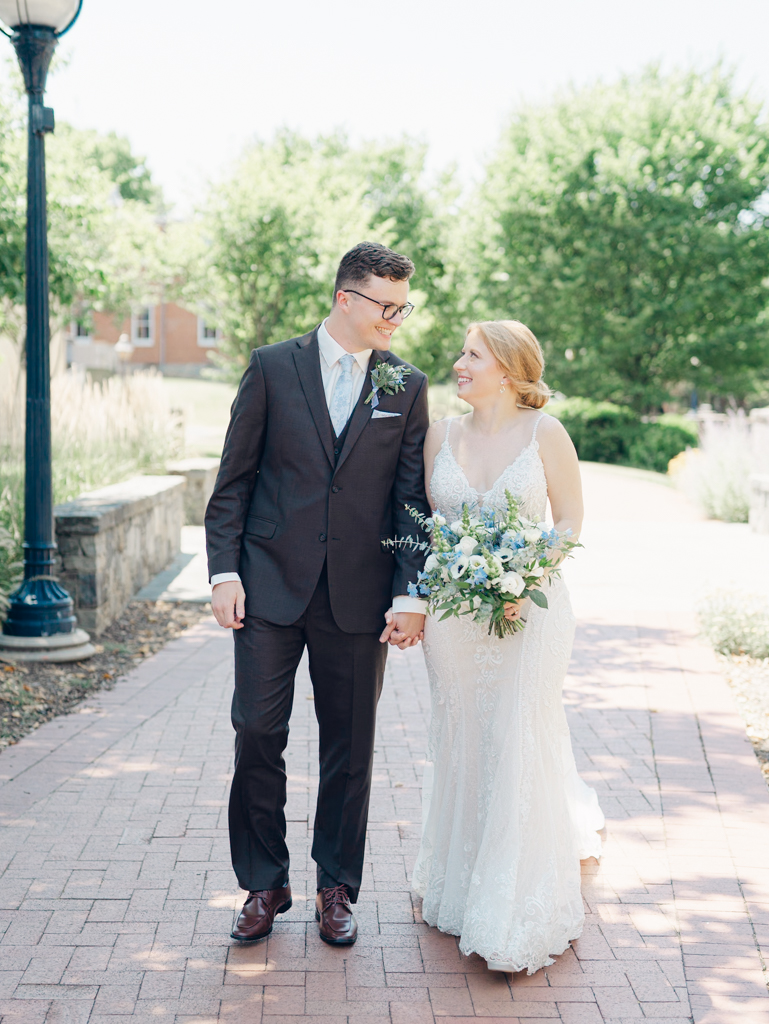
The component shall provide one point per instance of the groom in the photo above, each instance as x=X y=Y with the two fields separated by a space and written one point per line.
x=316 y=472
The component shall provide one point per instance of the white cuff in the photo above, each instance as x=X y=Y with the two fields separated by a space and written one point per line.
x=224 y=577
x=413 y=605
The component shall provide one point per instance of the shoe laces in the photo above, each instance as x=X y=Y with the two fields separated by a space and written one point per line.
x=336 y=894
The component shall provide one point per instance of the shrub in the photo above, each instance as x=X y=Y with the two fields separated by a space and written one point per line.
x=604 y=432
x=659 y=442
x=736 y=623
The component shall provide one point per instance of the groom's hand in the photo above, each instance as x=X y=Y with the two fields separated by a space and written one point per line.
x=228 y=603
x=403 y=629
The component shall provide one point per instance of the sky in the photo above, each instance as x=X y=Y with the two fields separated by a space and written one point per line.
x=190 y=83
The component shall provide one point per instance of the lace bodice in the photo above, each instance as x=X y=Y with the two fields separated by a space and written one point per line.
x=524 y=477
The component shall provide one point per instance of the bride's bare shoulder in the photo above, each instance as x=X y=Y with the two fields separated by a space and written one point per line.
x=552 y=433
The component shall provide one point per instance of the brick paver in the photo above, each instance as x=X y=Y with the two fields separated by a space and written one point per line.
x=116 y=893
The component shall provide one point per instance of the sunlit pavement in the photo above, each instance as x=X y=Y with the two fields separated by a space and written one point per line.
x=117 y=896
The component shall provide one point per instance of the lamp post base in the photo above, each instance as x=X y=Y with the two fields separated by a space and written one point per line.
x=74 y=646
x=39 y=607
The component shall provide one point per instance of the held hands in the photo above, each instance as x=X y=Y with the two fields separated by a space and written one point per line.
x=228 y=603
x=403 y=629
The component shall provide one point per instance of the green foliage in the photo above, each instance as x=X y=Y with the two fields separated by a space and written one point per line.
x=625 y=225
x=277 y=227
x=659 y=442
x=105 y=251
x=736 y=623
x=605 y=432
x=112 y=154
x=600 y=431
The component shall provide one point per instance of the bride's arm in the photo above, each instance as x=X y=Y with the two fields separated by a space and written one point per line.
x=564 y=485
x=433 y=441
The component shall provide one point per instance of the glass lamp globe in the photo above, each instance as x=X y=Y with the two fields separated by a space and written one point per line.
x=55 y=14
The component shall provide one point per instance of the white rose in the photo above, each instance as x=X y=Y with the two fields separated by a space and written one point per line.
x=512 y=583
x=439 y=520
x=432 y=563
x=457 y=528
x=531 y=536
x=467 y=545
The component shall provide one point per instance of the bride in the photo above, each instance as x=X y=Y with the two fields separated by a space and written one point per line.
x=506 y=817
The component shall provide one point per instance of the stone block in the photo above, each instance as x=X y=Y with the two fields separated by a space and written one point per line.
x=200 y=475
x=113 y=541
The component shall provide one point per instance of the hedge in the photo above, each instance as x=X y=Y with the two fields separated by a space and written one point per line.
x=604 y=432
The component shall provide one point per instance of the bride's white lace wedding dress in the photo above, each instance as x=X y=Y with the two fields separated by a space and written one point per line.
x=506 y=817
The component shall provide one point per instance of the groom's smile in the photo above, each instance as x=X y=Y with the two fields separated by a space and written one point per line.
x=366 y=315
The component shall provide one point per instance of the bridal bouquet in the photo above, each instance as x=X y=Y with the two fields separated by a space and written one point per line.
x=482 y=561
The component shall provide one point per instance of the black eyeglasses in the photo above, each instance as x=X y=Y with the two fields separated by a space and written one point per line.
x=389 y=309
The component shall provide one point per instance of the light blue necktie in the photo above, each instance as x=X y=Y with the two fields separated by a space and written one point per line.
x=340 y=401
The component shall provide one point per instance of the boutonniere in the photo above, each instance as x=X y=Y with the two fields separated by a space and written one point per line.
x=387 y=379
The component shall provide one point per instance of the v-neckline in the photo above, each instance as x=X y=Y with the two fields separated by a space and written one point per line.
x=482 y=494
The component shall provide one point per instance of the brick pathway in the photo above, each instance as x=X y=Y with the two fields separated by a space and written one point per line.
x=116 y=895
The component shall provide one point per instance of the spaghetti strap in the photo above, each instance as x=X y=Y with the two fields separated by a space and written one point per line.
x=534 y=432
x=449 y=421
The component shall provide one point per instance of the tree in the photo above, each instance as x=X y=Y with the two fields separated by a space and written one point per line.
x=273 y=233
x=105 y=251
x=627 y=225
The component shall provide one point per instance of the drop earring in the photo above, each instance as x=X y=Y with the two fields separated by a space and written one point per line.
x=502 y=389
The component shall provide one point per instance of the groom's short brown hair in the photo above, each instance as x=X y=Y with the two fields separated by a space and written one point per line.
x=367 y=258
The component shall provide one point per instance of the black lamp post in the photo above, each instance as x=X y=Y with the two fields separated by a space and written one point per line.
x=41 y=624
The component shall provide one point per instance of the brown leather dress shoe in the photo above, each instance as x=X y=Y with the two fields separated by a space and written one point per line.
x=256 y=918
x=333 y=910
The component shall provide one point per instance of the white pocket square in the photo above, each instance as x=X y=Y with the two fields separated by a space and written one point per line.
x=378 y=414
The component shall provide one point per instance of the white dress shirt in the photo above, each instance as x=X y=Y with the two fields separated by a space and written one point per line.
x=330 y=354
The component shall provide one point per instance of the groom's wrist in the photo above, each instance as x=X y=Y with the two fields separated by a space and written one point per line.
x=411 y=605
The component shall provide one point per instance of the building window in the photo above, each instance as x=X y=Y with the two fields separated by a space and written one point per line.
x=208 y=337
x=143 y=327
x=80 y=332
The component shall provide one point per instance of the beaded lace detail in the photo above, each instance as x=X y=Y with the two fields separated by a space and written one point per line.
x=524 y=477
x=506 y=817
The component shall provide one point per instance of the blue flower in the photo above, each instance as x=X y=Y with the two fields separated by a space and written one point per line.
x=424 y=590
x=412 y=589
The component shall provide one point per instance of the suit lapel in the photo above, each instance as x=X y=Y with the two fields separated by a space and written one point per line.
x=307 y=360
x=361 y=413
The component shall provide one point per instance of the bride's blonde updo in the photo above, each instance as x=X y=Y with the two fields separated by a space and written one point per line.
x=519 y=354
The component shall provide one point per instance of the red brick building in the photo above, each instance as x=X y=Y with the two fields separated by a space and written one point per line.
x=166 y=336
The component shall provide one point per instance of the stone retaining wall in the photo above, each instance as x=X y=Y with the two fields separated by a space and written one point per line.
x=200 y=475
x=114 y=540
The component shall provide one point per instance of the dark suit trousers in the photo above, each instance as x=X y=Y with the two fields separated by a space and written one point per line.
x=347 y=670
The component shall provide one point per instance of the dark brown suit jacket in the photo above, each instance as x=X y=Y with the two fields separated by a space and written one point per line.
x=284 y=503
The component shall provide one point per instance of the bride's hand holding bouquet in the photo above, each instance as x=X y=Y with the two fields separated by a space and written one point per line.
x=487 y=564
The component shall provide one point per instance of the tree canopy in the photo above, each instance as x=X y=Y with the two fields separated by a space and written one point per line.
x=273 y=233
x=627 y=225
x=105 y=245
